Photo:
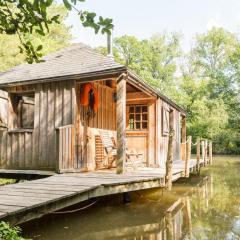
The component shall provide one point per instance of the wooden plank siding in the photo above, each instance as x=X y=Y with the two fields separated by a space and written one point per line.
x=162 y=139
x=90 y=156
x=57 y=105
x=36 y=148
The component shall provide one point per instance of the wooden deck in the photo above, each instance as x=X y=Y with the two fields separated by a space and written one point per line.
x=24 y=201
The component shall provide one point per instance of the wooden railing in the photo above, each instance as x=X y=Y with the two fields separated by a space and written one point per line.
x=204 y=153
x=16 y=149
x=204 y=148
x=66 y=147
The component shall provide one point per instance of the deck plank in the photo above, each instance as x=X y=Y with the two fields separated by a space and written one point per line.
x=62 y=190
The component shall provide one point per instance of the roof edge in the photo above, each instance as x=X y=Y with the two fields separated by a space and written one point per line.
x=156 y=92
x=81 y=76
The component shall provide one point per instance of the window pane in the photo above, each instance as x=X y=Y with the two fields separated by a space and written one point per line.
x=131 y=125
x=131 y=117
x=144 y=109
x=138 y=125
x=144 y=125
x=138 y=109
x=138 y=117
x=144 y=117
x=131 y=109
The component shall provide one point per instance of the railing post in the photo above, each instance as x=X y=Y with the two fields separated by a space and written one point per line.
x=59 y=143
x=205 y=154
x=169 y=162
x=210 y=152
x=188 y=157
x=198 y=154
x=203 y=151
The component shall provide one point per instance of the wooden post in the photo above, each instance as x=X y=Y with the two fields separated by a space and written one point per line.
x=188 y=156
x=203 y=151
x=121 y=125
x=169 y=162
x=198 y=154
x=205 y=154
x=210 y=152
x=183 y=138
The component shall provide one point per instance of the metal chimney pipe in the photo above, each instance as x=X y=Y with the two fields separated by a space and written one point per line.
x=110 y=45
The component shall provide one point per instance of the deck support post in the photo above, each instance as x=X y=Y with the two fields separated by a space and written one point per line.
x=198 y=154
x=121 y=125
x=206 y=152
x=203 y=151
x=210 y=152
x=169 y=162
x=188 y=156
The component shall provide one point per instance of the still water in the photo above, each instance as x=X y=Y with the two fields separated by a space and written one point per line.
x=201 y=207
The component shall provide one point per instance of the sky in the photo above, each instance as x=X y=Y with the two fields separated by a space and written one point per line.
x=142 y=18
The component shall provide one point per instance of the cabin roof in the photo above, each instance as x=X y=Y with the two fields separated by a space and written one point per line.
x=74 y=60
x=77 y=61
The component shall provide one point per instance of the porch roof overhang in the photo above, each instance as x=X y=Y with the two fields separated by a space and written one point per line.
x=141 y=84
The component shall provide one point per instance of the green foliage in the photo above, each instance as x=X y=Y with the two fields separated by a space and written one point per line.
x=155 y=60
x=26 y=17
x=205 y=81
x=9 y=233
x=215 y=62
x=58 y=37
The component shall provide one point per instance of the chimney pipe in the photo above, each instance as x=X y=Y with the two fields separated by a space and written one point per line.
x=110 y=45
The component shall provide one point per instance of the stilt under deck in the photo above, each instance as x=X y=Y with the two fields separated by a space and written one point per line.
x=24 y=201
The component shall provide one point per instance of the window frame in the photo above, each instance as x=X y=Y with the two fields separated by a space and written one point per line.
x=140 y=121
x=18 y=102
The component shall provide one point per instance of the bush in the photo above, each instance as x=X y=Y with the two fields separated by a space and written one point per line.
x=9 y=233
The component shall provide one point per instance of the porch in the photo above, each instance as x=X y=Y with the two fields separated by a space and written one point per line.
x=135 y=119
x=24 y=201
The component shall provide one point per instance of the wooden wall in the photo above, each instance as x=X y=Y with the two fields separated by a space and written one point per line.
x=88 y=127
x=162 y=140
x=57 y=104
x=54 y=107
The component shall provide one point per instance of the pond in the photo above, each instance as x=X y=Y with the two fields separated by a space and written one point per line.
x=205 y=206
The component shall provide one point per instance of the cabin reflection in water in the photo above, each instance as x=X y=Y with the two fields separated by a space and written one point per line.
x=171 y=218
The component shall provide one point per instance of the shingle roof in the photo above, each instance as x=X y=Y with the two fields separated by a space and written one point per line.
x=74 y=60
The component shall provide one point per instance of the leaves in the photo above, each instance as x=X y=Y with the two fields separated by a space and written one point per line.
x=9 y=233
x=26 y=17
x=67 y=5
x=58 y=37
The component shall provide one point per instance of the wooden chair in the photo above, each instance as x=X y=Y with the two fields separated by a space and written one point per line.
x=109 y=146
x=132 y=157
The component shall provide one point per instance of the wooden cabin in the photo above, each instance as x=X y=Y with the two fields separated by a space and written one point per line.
x=48 y=124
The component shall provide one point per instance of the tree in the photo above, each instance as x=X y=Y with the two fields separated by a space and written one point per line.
x=204 y=81
x=154 y=59
x=58 y=36
x=213 y=61
x=24 y=17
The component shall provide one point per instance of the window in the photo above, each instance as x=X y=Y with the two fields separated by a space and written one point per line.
x=22 y=115
x=165 y=121
x=138 y=117
x=3 y=109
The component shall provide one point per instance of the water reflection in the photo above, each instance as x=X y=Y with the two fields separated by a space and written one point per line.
x=149 y=216
x=202 y=207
